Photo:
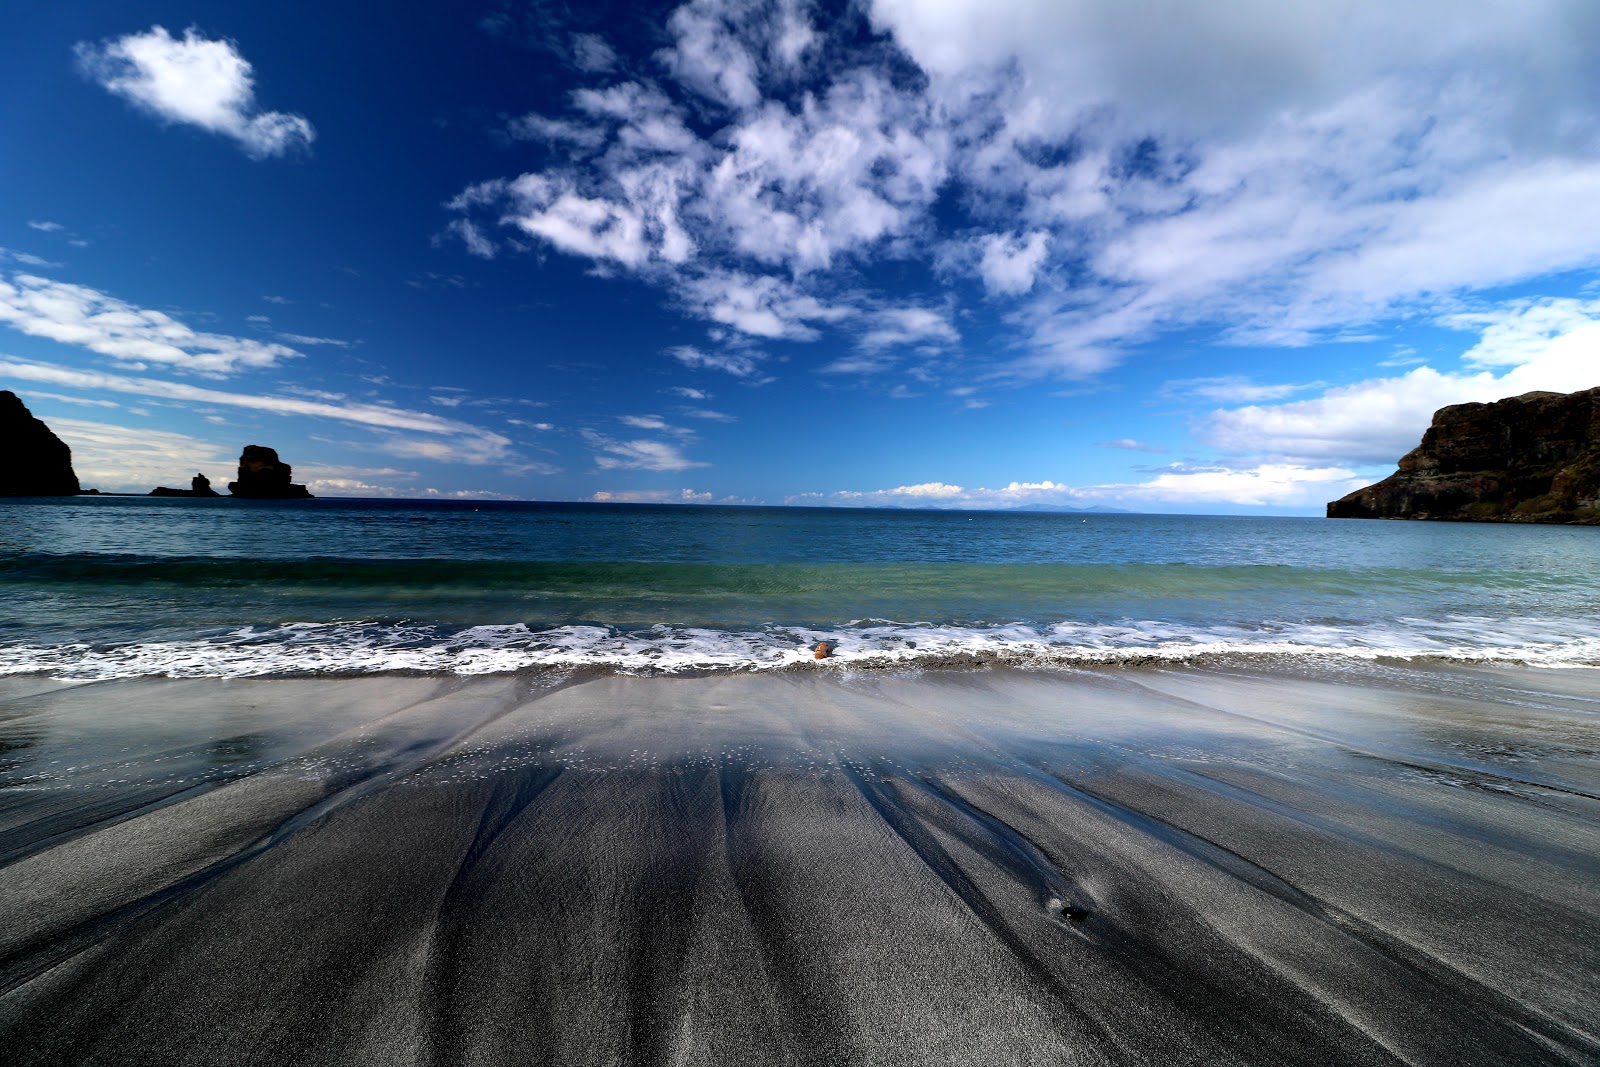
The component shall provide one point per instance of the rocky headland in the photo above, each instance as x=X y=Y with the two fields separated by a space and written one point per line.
x=263 y=476
x=1529 y=458
x=33 y=460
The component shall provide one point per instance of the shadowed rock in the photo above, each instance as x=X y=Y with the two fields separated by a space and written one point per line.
x=1530 y=458
x=33 y=461
x=262 y=476
x=199 y=486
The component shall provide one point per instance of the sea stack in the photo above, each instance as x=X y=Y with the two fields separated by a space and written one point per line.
x=33 y=461
x=262 y=476
x=200 y=485
x=1530 y=458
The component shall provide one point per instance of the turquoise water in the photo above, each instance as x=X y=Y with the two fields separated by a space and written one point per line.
x=121 y=586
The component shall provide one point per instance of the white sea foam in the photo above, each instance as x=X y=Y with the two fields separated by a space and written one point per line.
x=359 y=648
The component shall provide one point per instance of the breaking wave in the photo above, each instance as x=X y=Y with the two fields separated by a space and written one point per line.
x=368 y=648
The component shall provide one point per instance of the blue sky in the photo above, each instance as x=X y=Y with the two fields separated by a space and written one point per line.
x=979 y=253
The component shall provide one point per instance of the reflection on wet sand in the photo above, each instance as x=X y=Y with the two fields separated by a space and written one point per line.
x=1356 y=865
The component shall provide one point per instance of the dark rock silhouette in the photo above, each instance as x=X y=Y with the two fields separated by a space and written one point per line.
x=262 y=476
x=1530 y=458
x=33 y=461
x=199 y=486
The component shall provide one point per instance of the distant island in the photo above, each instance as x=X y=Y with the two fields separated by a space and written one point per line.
x=1529 y=458
x=35 y=462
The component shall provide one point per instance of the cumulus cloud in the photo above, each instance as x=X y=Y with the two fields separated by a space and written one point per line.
x=1527 y=345
x=132 y=336
x=193 y=81
x=1180 y=487
x=1269 y=173
x=1009 y=263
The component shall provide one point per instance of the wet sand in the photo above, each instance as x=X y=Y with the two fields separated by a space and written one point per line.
x=1330 y=865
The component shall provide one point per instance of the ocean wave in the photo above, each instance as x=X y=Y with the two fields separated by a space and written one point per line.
x=369 y=648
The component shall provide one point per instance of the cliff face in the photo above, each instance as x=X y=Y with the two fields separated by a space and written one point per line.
x=1532 y=458
x=33 y=461
x=262 y=476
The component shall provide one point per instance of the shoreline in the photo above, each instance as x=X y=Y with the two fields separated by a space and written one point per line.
x=1366 y=864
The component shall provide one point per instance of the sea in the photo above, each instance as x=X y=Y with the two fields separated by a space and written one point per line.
x=120 y=587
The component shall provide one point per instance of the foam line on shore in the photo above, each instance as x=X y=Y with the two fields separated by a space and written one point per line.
x=367 y=648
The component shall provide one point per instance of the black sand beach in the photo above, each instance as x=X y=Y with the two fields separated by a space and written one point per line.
x=1324 y=865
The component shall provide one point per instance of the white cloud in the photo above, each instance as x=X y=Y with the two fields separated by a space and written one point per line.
x=1230 y=389
x=133 y=336
x=463 y=441
x=1522 y=331
x=1269 y=173
x=1130 y=445
x=892 y=327
x=85 y=401
x=761 y=306
x=708 y=415
x=591 y=53
x=688 y=393
x=46 y=227
x=1540 y=345
x=1275 y=485
x=653 y=422
x=653 y=496
x=27 y=258
x=305 y=339
x=196 y=82
x=1179 y=487
x=535 y=127
x=738 y=364
x=123 y=459
x=1010 y=263
x=642 y=454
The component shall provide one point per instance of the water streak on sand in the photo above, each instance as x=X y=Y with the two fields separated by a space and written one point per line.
x=1196 y=866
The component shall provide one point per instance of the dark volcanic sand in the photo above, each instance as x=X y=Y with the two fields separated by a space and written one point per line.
x=1207 y=866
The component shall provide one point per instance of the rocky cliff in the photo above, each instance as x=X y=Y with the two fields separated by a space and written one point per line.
x=1531 y=458
x=262 y=476
x=33 y=461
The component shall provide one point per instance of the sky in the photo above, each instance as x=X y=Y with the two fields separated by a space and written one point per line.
x=1159 y=255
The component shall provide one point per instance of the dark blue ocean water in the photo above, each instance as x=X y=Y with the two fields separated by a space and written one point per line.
x=128 y=586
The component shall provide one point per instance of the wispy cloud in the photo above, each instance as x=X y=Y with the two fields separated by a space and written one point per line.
x=133 y=336
x=1232 y=389
x=455 y=441
x=738 y=364
x=137 y=459
x=1130 y=445
x=654 y=496
x=640 y=454
x=193 y=81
